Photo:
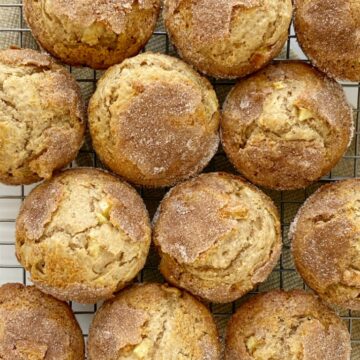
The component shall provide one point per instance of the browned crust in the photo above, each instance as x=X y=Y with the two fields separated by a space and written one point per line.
x=36 y=213
x=27 y=57
x=36 y=210
x=61 y=91
x=323 y=236
x=310 y=327
x=272 y=161
x=120 y=322
x=35 y=324
x=166 y=133
x=173 y=265
x=328 y=32
x=214 y=18
x=80 y=293
x=119 y=20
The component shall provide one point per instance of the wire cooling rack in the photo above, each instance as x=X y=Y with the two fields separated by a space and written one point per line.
x=14 y=31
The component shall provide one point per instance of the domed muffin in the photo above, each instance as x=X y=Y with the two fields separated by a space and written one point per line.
x=328 y=32
x=154 y=120
x=286 y=325
x=228 y=38
x=35 y=326
x=41 y=117
x=325 y=243
x=153 y=321
x=218 y=236
x=97 y=33
x=286 y=126
x=83 y=235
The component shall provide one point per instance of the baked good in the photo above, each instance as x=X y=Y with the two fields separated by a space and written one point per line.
x=286 y=126
x=325 y=243
x=97 y=33
x=153 y=321
x=218 y=236
x=286 y=325
x=41 y=116
x=154 y=120
x=228 y=38
x=83 y=235
x=35 y=326
x=328 y=32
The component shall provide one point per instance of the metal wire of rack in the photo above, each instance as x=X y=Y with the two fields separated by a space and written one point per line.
x=14 y=31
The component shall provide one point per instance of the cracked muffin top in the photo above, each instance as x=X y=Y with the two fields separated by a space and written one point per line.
x=83 y=235
x=218 y=236
x=153 y=322
x=286 y=326
x=228 y=38
x=325 y=243
x=329 y=33
x=94 y=33
x=286 y=126
x=41 y=117
x=154 y=120
x=35 y=326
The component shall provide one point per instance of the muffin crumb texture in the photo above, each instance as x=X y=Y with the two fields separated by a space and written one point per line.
x=325 y=243
x=35 y=326
x=218 y=236
x=286 y=126
x=83 y=235
x=154 y=120
x=286 y=326
x=40 y=111
x=153 y=321
x=97 y=33
x=228 y=38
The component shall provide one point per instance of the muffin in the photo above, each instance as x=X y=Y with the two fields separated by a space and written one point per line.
x=41 y=117
x=154 y=120
x=228 y=38
x=97 y=33
x=286 y=126
x=218 y=236
x=325 y=243
x=153 y=321
x=328 y=32
x=286 y=325
x=35 y=326
x=83 y=235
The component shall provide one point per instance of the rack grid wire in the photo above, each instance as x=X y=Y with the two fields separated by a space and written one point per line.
x=14 y=31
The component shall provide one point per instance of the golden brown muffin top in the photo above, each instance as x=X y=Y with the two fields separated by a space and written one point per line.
x=84 y=13
x=154 y=120
x=153 y=321
x=35 y=326
x=218 y=236
x=286 y=326
x=211 y=19
x=83 y=235
x=228 y=39
x=97 y=33
x=286 y=126
x=40 y=110
x=325 y=243
x=329 y=33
